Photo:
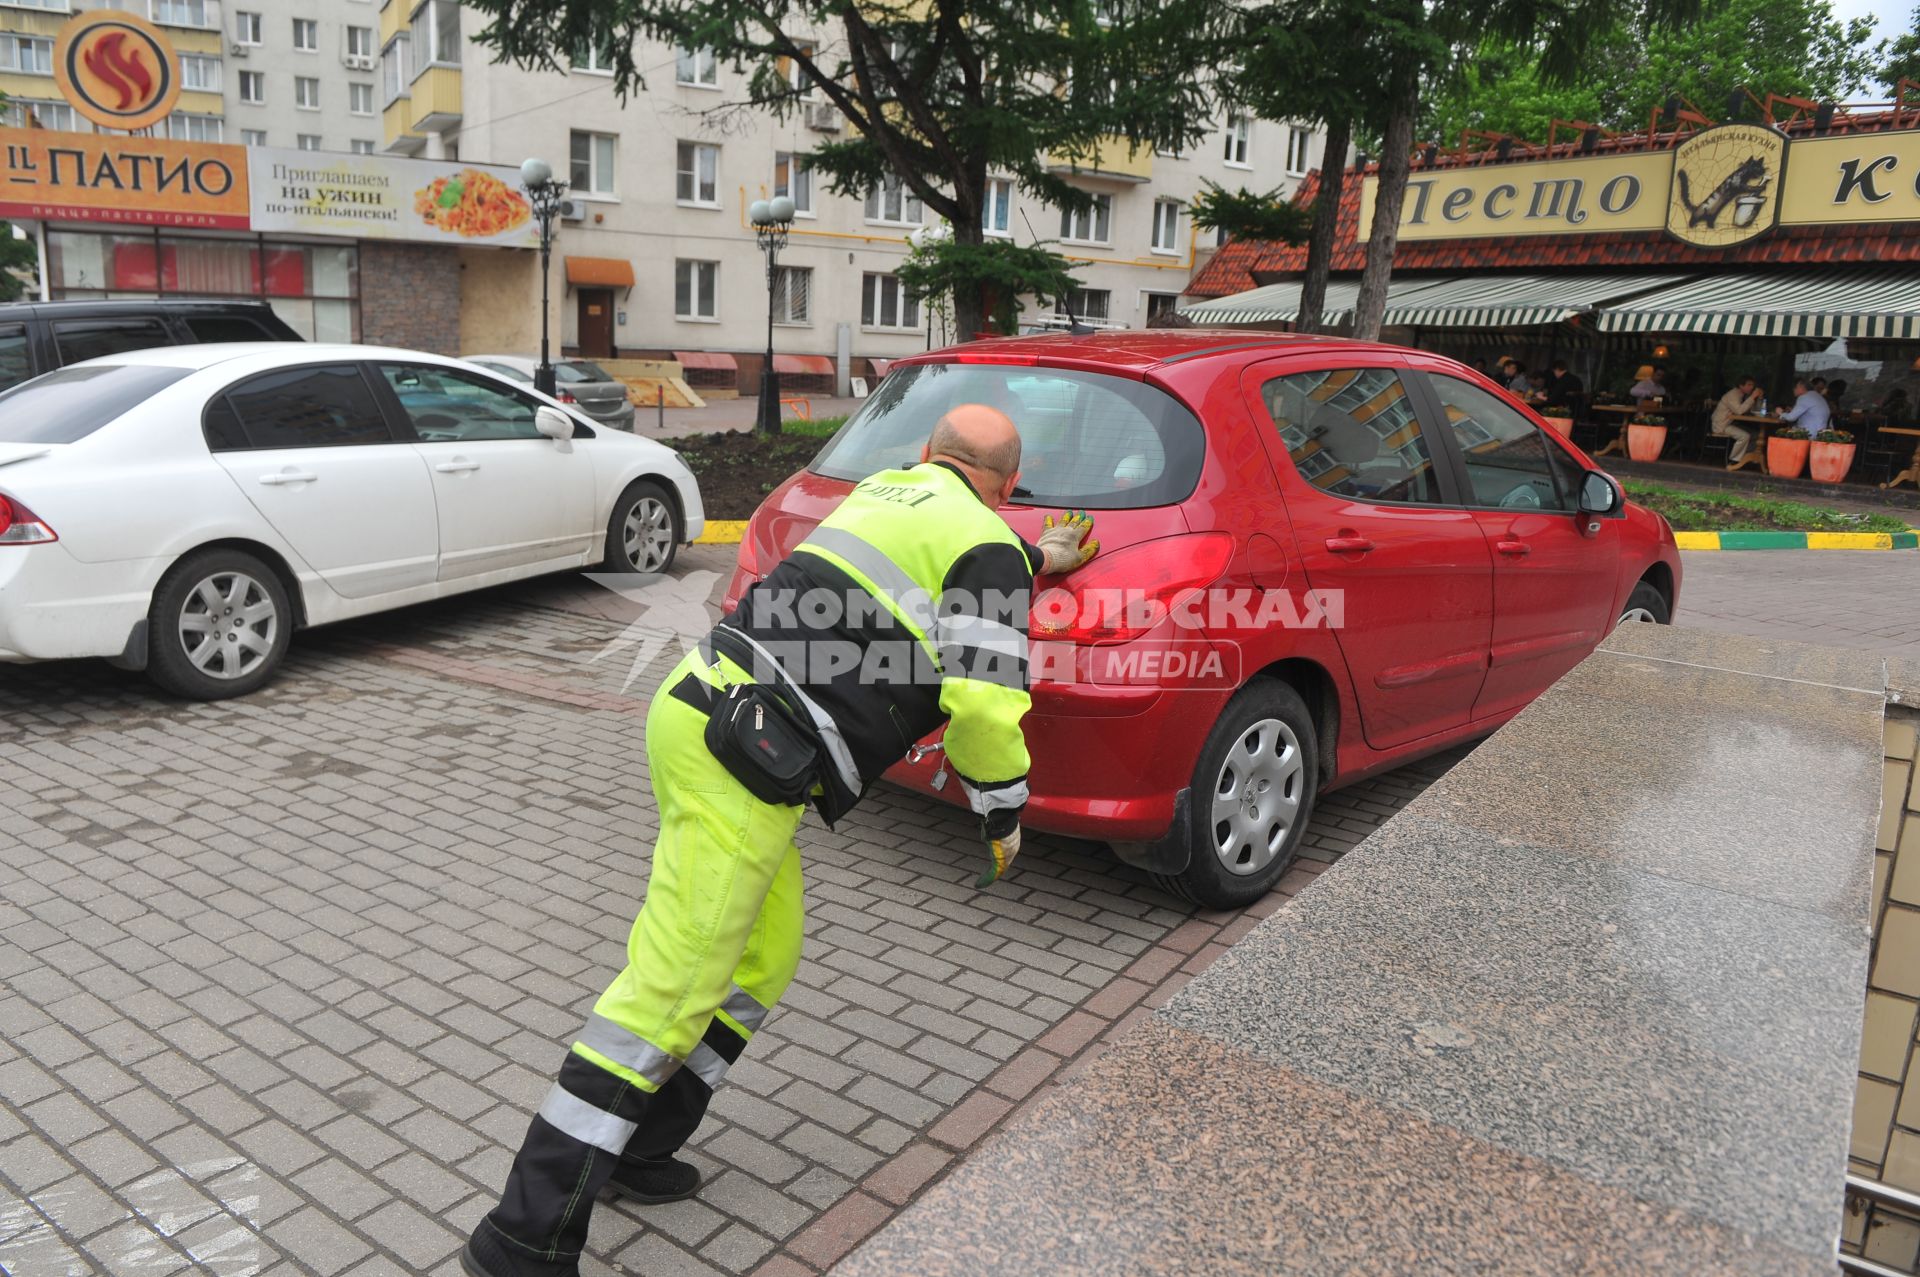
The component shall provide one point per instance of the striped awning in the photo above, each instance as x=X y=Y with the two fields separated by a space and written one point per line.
x=1280 y=303
x=1514 y=301
x=1871 y=302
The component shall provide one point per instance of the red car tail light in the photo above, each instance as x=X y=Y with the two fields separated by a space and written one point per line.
x=1124 y=595
x=565 y=396
x=21 y=526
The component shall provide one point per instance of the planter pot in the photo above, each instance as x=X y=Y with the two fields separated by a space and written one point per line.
x=1786 y=458
x=1829 y=462
x=1562 y=426
x=1645 y=443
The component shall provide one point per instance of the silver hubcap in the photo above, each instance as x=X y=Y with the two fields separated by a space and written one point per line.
x=1256 y=799
x=228 y=625
x=1637 y=614
x=648 y=534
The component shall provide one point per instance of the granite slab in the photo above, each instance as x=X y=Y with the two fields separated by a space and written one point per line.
x=1777 y=659
x=1178 y=1153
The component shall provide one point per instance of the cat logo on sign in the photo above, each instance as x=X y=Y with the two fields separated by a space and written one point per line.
x=1726 y=185
x=117 y=69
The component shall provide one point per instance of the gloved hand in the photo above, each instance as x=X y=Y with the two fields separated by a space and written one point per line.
x=1060 y=542
x=1003 y=849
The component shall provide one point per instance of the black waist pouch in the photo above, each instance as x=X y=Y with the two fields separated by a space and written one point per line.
x=763 y=745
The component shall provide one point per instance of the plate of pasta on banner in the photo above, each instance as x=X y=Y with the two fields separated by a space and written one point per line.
x=472 y=204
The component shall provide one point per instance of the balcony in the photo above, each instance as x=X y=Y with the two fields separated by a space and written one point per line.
x=1116 y=160
x=434 y=105
x=401 y=138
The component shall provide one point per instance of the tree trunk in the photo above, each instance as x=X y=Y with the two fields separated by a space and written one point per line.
x=971 y=306
x=1395 y=160
x=1326 y=214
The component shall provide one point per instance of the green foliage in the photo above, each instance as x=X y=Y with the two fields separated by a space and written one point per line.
x=1000 y=270
x=1242 y=214
x=18 y=257
x=1722 y=511
x=1795 y=47
x=1791 y=432
x=816 y=428
x=1831 y=435
x=1902 y=58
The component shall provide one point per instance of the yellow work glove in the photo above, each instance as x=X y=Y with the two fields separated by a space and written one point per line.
x=1004 y=849
x=1060 y=542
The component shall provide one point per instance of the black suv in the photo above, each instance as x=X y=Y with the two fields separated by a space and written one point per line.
x=37 y=337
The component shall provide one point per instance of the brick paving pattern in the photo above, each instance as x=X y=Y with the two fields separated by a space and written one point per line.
x=284 y=978
x=1843 y=598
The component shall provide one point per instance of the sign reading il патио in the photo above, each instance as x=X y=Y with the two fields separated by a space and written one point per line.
x=1721 y=187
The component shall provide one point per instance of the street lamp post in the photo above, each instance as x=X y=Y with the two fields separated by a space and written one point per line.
x=545 y=193
x=771 y=219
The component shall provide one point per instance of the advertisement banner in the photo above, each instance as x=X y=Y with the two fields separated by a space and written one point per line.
x=140 y=181
x=385 y=197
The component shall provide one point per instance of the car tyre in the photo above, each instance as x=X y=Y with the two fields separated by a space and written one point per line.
x=218 y=627
x=644 y=531
x=1253 y=793
x=1646 y=603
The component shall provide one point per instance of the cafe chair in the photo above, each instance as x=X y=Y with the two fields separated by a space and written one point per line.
x=1716 y=450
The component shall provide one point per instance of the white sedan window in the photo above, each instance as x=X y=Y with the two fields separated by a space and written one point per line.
x=446 y=405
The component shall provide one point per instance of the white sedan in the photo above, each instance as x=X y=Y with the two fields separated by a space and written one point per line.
x=185 y=509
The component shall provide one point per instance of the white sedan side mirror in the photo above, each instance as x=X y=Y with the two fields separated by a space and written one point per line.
x=552 y=423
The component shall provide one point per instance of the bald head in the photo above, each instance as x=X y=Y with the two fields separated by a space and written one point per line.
x=983 y=443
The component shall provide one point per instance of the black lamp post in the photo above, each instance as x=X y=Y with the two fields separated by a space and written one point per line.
x=545 y=193
x=771 y=219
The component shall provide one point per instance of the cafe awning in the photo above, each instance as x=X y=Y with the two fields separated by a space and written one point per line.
x=807 y=365
x=1513 y=301
x=600 y=272
x=1872 y=302
x=1280 y=303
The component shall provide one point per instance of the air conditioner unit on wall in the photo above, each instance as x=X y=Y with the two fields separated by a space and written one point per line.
x=572 y=210
x=358 y=62
x=237 y=50
x=823 y=117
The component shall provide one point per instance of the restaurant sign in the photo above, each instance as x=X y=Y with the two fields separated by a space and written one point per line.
x=380 y=197
x=1721 y=187
x=141 y=181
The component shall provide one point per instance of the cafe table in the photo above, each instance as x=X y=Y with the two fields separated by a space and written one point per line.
x=1757 y=450
x=1626 y=413
x=1912 y=473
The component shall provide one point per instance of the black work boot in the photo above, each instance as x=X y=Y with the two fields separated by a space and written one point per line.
x=487 y=1255
x=653 y=1180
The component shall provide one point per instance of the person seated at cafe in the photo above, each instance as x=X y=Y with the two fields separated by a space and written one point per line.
x=1562 y=386
x=1895 y=407
x=1741 y=401
x=1517 y=381
x=1652 y=384
x=1835 y=392
x=1810 y=411
x=1536 y=388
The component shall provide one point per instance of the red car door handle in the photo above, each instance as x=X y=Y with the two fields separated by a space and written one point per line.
x=1518 y=549
x=1349 y=545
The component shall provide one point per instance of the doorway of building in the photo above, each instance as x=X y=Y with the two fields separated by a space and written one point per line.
x=596 y=323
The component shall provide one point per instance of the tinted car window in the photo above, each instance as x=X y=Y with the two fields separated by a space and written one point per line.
x=79 y=339
x=449 y=406
x=15 y=364
x=504 y=370
x=71 y=403
x=580 y=370
x=1509 y=461
x=1087 y=440
x=1353 y=432
x=212 y=328
x=327 y=406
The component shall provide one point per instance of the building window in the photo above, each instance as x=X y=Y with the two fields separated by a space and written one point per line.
x=306 y=35
x=306 y=92
x=592 y=155
x=183 y=127
x=793 y=178
x=361 y=146
x=1086 y=303
x=1239 y=132
x=360 y=99
x=696 y=286
x=893 y=203
x=1159 y=304
x=1166 y=226
x=394 y=75
x=246 y=27
x=996 y=213
x=793 y=295
x=253 y=137
x=307 y=141
x=253 y=87
x=795 y=74
x=597 y=58
x=185 y=13
x=699 y=175
x=436 y=29
x=25 y=113
x=885 y=303
x=697 y=67
x=26 y=54
x=1299 y=146
x=1089 y=225
x=359 y=42
x=200 y=72
x=57 y=6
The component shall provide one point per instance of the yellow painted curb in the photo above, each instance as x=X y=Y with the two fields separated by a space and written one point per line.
x=722 y=532
x=1697 y=540
x=1849 y=540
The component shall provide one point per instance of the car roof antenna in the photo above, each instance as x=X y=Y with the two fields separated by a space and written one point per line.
x=1074 y=327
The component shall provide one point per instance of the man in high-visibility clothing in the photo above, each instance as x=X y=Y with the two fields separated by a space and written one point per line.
x=931 y=588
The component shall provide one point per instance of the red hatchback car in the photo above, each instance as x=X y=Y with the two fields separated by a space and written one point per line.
x=1322 y=558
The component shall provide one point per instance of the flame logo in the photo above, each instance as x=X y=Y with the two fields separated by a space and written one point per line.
x=119 y=68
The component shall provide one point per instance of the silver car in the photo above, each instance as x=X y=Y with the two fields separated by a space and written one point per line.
x=577 y=381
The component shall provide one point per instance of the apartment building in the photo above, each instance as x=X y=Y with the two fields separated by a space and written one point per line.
x=28 y=29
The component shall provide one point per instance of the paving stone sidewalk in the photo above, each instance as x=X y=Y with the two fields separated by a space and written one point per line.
x=284 y=978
